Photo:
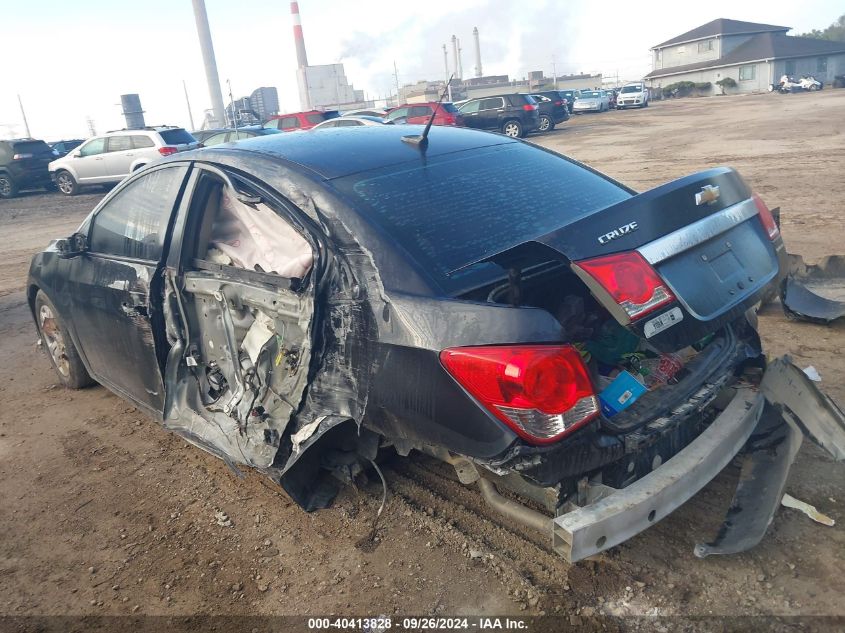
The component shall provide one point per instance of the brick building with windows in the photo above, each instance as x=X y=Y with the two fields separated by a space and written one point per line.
x=754 y=55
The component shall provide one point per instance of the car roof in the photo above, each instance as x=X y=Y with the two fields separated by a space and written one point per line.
x=143 y=130
x=349 y=150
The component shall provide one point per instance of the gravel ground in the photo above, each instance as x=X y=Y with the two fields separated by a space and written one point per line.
x=106 y=513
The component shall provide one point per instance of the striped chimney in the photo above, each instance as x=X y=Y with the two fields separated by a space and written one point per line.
x=301 y=57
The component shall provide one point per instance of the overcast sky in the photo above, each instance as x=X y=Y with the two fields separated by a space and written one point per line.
x=73 y=59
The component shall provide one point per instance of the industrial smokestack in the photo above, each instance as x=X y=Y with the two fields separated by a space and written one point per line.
x=132 y=111
x=477 y=52
x=455 y=56
x=301 y=57
x=207 y=48
x=446 y=61
x=460 y=61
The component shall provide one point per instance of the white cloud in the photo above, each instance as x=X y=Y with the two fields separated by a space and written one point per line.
x=77 y=58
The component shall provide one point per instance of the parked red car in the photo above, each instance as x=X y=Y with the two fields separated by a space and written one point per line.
x=446 y=113
x=299 y=120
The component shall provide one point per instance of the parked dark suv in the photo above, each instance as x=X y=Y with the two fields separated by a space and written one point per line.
x=23 y=165
x=513 y=115
x=553 y=109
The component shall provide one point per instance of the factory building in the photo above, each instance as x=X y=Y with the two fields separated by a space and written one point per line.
x=536 y=81
x=322 y=86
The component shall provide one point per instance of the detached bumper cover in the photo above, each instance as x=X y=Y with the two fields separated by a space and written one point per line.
x=624 y=513
x=766 y=424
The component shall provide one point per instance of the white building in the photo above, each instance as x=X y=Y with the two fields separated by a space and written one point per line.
x=753 y=55
x=325 y=86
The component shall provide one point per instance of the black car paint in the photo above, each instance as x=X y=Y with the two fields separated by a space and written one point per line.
x=26 y=173
x=511 y=108
x=379 y=323
x=558 y=113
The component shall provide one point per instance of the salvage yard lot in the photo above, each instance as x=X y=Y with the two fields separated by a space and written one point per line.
x=105 y=513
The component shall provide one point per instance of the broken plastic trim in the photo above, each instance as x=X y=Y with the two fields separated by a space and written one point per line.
x=815 y=292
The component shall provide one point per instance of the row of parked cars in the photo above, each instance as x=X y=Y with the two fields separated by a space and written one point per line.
x=107 y=159
x=69 y=165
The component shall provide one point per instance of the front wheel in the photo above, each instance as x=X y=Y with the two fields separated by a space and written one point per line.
x=66 y=183
x=8 y=188
x=512 y=128
x=60 y=349
x=546 y=124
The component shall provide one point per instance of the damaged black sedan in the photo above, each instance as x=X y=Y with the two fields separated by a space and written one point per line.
x=298 y=303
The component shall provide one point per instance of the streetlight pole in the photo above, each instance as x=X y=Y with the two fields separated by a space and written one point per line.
x=23 y=114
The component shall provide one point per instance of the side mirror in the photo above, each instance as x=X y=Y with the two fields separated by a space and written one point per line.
x=72 y=246
x=76 y=153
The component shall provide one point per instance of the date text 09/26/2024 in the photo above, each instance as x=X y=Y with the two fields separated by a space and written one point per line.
x=381 y=624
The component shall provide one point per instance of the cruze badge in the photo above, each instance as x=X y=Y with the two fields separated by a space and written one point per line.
x=708 y=194
x=617 y=233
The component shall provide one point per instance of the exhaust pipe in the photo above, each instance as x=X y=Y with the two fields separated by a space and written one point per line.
x=516 y=511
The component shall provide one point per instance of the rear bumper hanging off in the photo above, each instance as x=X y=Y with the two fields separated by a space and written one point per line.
x=619 y=516
x=765 y=424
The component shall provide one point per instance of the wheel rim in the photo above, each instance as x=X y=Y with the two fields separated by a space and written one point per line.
x=64 y=182
x=54 y=340
x=512 y=129
x=544 y=124
x=5 y=187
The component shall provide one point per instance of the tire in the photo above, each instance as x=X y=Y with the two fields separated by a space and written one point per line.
x=59 y=347
x=546 y=123
x=66 y=183
x=813 y=88
x=8 y=188
x=513 y=128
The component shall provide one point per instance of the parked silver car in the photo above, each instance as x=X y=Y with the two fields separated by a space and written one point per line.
x=592 y=101
x=114 y=155
x=352 y=121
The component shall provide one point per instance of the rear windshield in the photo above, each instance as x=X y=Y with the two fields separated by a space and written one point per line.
x=449 y=107
x=315 y=118
x=32 y=147
x=177 y=137
x=459 y=208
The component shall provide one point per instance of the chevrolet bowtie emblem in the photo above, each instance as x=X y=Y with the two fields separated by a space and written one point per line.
x=708 y=194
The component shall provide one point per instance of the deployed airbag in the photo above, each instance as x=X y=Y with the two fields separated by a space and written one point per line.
x=255 y=238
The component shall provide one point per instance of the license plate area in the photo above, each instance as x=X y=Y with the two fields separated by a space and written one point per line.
x=712 y=277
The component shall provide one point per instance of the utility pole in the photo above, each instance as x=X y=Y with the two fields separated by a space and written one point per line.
x=554 y=70
x=23 y=114
x=207 y=48
x=396 y=78
x=188 y=101
x=232 y=106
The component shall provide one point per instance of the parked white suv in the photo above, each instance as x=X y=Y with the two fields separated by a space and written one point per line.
x=632 y=95
x=113 y=156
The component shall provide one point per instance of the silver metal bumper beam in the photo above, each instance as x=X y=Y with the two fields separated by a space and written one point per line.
x=619 y=516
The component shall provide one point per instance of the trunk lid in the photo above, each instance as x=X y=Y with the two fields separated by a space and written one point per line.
x=703 y=236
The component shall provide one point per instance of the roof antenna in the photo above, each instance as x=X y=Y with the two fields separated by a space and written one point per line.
x=421 y=140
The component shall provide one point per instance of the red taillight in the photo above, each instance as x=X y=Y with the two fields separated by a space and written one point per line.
x=542 y=392
x=766 y=217
x=559 y=103
x=167 y=150
x=529 y=107
x=630 y=281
